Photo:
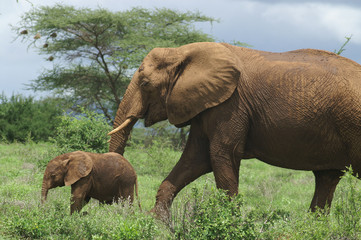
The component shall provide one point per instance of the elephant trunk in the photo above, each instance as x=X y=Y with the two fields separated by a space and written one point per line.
x=119 y=139
x=129 y=106
x=44 y=191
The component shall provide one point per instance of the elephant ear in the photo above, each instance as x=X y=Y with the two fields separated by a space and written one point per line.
x=206 y=76
x=79 y=165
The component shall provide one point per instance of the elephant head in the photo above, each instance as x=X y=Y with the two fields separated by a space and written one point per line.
x=65 y=170
x=176 y=84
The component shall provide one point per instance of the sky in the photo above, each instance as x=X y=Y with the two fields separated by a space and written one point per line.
x=269 y=25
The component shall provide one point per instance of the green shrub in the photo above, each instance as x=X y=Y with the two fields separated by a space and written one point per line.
x=86 y=132
x=23 y=118
x=347 y=209
x=213 y=216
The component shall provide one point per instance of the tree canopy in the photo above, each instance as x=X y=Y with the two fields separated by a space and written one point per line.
x=95 y=52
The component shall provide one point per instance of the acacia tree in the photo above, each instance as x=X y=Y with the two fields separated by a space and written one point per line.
x=95 y=52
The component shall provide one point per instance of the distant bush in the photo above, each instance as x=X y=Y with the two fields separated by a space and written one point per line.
x=164 y=132
x=85 y=132
x=23 y=118
x=157 y=159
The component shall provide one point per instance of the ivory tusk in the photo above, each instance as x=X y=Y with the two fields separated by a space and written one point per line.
x=120 y=127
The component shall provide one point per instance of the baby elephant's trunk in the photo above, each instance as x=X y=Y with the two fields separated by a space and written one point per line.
x=44 y=192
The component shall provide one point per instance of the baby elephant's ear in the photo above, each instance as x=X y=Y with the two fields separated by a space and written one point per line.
x=79 y=166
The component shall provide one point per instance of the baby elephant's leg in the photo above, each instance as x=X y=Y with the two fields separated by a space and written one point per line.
x=126 y=191
x=79 y=195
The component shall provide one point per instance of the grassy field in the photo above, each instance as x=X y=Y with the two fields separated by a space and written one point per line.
x=272 y=204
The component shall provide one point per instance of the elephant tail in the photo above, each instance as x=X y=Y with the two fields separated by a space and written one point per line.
x=136 y=194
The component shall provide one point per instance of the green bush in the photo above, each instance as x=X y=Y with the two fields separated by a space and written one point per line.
x=85 y=132
x=347 y=209
x=212 y=216
x=23 y=118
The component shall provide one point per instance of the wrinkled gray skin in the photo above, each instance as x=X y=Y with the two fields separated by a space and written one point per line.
x=106 y=177
x=299 y=110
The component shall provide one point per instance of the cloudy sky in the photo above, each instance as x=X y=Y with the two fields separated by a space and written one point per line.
x=269 y=25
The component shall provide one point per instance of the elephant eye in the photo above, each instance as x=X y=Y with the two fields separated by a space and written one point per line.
x=144 y=83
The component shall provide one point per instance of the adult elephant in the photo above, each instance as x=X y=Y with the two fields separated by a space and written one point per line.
x=299 y=110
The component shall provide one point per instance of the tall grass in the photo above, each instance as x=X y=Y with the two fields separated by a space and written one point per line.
x=272 y=204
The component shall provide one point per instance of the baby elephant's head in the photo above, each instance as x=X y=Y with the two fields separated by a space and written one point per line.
x=65 y=170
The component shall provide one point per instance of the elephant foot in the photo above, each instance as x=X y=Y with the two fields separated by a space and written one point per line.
x=326 y=182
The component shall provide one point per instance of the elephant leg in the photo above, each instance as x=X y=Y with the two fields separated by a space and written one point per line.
x=77 y=203
x=79 y=195
x=127 y=192
x=227 y=148
x=193 y=163
x=326 y=182
x=226 y=160
x=227 y=128
x=108 y=202
x=226 y=173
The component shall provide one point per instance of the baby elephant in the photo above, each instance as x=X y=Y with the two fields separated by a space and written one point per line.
x=107 y=177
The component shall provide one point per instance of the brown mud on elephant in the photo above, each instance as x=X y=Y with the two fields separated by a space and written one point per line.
x=106 y=177
x=299 y=110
